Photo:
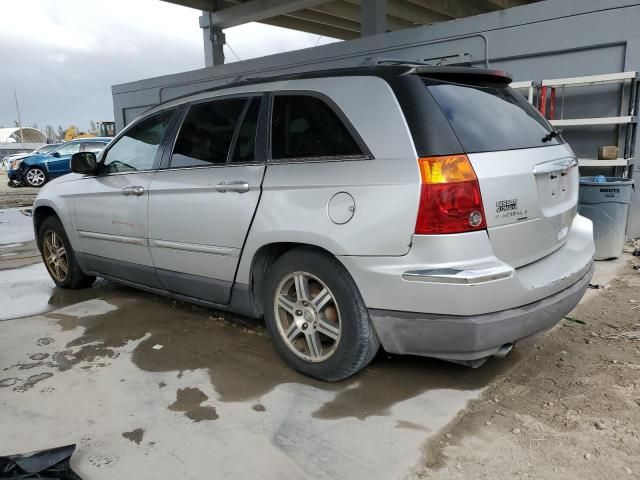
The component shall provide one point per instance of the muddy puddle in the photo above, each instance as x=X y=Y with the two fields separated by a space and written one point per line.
x=237 y=355
x=29 y=291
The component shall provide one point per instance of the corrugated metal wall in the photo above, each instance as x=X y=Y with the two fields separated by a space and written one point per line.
x=551 y=39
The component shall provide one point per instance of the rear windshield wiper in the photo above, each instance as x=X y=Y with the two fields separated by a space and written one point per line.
x=551 y=135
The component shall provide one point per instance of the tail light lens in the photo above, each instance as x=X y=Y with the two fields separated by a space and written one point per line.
x=450 y=201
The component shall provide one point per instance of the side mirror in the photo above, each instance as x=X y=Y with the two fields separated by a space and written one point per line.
x=84 y=162
x=56 y=154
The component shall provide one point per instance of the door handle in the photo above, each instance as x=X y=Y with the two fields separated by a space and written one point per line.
x=237 y=186
x=136 y=190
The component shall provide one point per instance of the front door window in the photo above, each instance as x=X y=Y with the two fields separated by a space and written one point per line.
x=136 y=150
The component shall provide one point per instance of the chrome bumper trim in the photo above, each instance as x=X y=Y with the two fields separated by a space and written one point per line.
x=463 y=274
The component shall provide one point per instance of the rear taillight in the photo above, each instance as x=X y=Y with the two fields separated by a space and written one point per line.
x=450 y=201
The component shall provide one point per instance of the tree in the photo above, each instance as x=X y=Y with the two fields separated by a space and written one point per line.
x=60 y=134
x=93 y=130
x=50 y=132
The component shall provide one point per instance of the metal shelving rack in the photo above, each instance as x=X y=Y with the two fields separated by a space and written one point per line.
x=529 y=86
x=628 y=105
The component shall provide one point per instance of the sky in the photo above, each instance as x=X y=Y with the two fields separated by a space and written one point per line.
x=62 y=56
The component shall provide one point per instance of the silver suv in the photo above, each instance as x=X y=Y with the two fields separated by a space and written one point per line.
x=430 y=210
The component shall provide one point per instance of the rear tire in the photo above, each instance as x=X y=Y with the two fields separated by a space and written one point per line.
x=316 y=316
x=35 y=177
x=59 y=257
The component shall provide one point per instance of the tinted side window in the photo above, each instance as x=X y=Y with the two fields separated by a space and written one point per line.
x=94 y=147
x=206 y=133
x=305 y=127
x=244 y=150
x=137 y=148
x=69 y=148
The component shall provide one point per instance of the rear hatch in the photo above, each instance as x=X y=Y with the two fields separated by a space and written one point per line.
x=528 y=176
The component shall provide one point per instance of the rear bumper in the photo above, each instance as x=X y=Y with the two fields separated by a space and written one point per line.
x=477 y=336
x=459 y=275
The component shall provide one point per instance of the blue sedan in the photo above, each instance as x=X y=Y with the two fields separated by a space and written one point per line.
x=37 y=169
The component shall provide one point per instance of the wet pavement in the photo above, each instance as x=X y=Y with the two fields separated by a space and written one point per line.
x=17 y=244
x=147 y=386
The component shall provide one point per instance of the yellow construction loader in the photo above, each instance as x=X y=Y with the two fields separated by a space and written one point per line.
x=103 y=129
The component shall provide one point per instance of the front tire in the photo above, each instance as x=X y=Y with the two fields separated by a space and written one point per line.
x=316 y=316
x=59 y=257
x=35 y=177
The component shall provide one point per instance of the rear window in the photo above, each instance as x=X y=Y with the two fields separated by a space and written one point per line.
x=491 y=118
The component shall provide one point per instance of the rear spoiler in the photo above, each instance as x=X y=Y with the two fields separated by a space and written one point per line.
x=465 y=74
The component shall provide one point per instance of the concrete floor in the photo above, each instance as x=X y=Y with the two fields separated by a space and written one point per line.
x=150 y=388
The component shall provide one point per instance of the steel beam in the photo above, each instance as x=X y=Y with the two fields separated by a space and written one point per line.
x=310 y=27
x=407 y=11
x=502 y=4
x=348 y=10
x=326 y=19
x=213 y=39
x=258 y=10
x=415 y=11
x=449 y=8
x=373 y=17
x=207 y=5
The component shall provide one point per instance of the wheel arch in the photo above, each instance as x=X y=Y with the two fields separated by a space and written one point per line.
x=40 y=214
x=44 y=209
x=264 y=258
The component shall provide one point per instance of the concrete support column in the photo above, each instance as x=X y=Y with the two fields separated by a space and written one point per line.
x=213 y=39
x=373 y=17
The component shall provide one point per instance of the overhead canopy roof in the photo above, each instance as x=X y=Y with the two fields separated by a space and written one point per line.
x=28 y=135
x=341 y=18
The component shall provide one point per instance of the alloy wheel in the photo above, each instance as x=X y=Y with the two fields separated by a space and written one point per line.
x=307 y=316
x=55 y=256
x=35 y=177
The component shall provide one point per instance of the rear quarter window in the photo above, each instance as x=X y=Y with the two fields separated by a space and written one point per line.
x=305 y=127
x=491 y=118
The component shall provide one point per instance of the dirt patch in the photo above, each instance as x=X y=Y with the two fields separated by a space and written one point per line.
x=32 y=380
x=189 y=401
x=135 y=436
x=8 y=382
x=571 y=410
x=15 y=197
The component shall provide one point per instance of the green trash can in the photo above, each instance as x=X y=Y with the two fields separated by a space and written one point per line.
x=605 y=201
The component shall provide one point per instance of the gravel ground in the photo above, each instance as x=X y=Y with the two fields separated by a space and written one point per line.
x=15 y=197
x=571 y=410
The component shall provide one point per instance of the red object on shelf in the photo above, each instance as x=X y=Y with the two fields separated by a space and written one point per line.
x=543 y=101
